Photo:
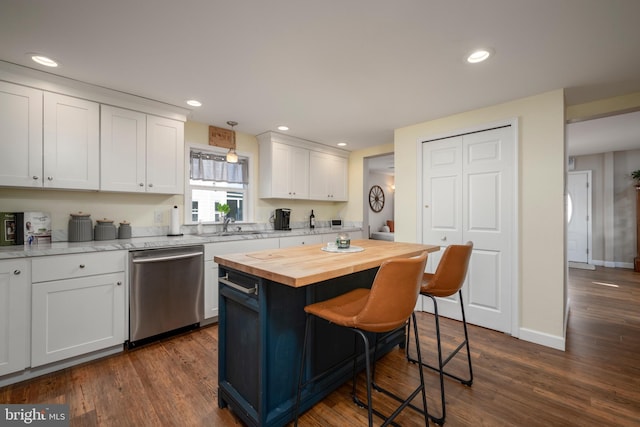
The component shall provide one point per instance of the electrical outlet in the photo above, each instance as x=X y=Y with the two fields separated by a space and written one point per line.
x=158 y=217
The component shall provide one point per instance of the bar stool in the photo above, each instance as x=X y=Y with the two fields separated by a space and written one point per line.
x=446 y=281
x=382 y=309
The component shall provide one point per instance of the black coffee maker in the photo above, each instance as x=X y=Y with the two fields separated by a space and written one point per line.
x=282 y=219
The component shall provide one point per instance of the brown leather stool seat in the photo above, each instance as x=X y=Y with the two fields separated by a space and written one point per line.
x=447 y=281
x=382 y=309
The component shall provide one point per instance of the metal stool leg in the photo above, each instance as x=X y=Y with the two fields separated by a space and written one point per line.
x=403 y=403
x=442 y=363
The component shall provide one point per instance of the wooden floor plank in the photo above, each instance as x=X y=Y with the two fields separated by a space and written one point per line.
x=596 y=381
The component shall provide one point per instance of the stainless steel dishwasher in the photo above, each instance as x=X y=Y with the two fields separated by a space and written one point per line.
x=166 y=291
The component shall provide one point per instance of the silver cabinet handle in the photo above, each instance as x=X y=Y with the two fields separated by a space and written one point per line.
x=16 y=272
x=119 y=283
x=81 y=265
x=50 y=178
x=444 y=239
x=142 y=260
x=237 y=287
x=141 y=184
x=150 y=185
x=35 y=177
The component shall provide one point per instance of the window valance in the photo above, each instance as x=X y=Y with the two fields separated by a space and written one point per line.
x=212 y=167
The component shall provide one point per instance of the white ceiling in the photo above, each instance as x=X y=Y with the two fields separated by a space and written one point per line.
x=332 y=70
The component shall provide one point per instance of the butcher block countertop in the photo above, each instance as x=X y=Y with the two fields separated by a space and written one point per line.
x=304 y=265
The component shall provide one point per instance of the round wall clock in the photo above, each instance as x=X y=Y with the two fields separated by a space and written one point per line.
x=376 y=198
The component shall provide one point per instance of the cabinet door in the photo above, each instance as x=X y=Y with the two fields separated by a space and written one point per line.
x=165 y=156
x=328 y=177
x=290 y=172
x=76 y=316
x=338 y=179
x=14 y=309
x=71 y=143
x=123 y=135
x=299 y=173
x=21 y=136
x=210 y=289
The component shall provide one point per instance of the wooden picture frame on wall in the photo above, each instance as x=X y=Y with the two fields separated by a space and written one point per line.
x=220 y=137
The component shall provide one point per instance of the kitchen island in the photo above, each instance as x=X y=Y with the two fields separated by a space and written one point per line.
x=261 y=324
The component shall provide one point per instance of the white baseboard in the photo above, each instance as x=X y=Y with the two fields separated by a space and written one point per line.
x=612 y=264
x=541 y=338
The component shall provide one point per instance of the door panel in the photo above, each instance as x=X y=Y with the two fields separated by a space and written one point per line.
x=442 y=192
x=469 y=188
x=578 y=193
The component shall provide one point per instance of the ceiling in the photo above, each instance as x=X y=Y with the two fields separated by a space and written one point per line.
x=333 y=70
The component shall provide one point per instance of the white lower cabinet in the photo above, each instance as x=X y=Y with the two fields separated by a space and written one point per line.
x=14 y=315
x=211 y=267
x=81 y=313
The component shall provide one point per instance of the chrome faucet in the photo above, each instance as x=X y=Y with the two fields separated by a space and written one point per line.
x=225 y=225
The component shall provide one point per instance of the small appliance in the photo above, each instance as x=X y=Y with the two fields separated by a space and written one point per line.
x=336 y=224
x=283 y=216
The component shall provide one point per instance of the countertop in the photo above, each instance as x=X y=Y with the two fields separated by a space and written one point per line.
x=304 y=265
x=150 y=242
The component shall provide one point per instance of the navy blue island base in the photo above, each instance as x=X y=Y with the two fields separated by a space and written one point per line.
x=261 y=329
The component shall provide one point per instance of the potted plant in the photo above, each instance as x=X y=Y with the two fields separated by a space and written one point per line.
x=223 y=208
x=635 y=175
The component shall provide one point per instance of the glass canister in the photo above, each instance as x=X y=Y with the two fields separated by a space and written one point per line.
x=343 y=241
x=80 y=227
x=104 y=229
x=124 y=231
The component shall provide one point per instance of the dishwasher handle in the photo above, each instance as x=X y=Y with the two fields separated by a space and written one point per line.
x=237 y=287
x=166 y=258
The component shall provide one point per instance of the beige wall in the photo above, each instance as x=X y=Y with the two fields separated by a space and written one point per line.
x=541 y=251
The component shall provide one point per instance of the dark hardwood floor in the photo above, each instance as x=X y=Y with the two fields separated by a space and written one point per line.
x=596 y=381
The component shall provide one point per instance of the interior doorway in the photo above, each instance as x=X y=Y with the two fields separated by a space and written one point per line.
x=379 y=171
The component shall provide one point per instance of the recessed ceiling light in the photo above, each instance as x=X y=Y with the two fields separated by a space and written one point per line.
x=479 y=56
x=342 y=144
x=194 y=103
x=283 y=127
x=43 y=60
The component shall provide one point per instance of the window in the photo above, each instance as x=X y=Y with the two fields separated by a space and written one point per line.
x=213 y=182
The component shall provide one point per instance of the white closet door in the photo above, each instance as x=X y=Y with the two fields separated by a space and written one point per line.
x=578 y=221
x=474 y=200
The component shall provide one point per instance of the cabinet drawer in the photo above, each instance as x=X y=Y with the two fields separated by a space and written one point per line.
x=312 y=239
x=78 y=265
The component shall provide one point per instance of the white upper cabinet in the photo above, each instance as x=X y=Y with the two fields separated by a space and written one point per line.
x=48 y=140
x=123 y=141
x=291 y=168
x=165 y=155
x=21 y=136
x=60 y=134
x=71 y=143
x=140 y=153
x=284 y=171
x=328 y=177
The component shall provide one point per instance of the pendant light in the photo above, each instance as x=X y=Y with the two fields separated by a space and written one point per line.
x=232 y=157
